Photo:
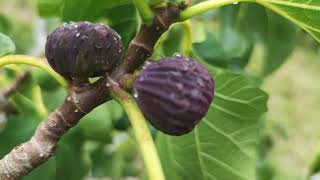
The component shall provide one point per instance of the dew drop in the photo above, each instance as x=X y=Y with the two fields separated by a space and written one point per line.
x=84 y=37
x=147 y=63
x=177 y=54
x=68 y=98
x=200 y=82
x=76 y=110
x=174 y=73
x=195 y=93
x=135 y=95
x=157 y=28
x=179 y=86
x=78 y=34
x=98 y=46
x=41 y=155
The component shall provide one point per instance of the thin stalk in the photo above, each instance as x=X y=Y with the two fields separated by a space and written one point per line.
x=144 y=10
x=29 y=60
x=38 y=100
x=205 y=6
x=187 y=38
x=141 y=131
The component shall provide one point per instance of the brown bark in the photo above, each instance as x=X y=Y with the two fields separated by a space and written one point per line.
x=81 y=100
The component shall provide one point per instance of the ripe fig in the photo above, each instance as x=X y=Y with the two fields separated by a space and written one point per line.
x=83 y=49
x=174 y=94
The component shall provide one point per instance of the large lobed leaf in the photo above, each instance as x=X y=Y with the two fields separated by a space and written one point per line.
x=223 y=145
x=305 y=13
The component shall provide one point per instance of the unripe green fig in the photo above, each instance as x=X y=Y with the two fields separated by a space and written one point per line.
x=174 y=94
x=83 y=50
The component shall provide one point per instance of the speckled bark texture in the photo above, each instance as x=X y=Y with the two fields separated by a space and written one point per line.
x=83 y=49
x=174 y=94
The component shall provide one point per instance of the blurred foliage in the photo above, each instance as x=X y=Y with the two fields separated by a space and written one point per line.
x=20 y=32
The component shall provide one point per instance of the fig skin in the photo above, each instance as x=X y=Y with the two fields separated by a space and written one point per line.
x=174 y=94
x=83 y=50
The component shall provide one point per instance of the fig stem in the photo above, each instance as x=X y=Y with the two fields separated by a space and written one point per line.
x=205 y=6
x=127 y=80
x=187 y=38
x=144 y=10
x=141 y=131
x=29 y=60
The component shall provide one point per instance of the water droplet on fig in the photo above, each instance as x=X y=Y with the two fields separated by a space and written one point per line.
x=174 y=73
x=147 y=63
x=195 y=93
x=135 y=95
x=180 y=86
x=200 y=82
x=84 y=37
x=177 y=54
x=78 y=34
x=98 y=46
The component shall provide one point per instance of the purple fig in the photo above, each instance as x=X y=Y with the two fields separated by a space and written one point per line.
x=174 y=94
x=83 y=49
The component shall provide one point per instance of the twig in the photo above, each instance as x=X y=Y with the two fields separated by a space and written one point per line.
x=5 y=106
x=14 y=87
x=144 y=10
x=81 y=100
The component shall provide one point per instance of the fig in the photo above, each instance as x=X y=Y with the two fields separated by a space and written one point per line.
x=83 y=49
x=174 y=94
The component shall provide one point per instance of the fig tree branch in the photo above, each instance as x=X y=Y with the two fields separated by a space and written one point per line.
x=29 y=155
x=81 y=99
